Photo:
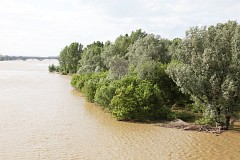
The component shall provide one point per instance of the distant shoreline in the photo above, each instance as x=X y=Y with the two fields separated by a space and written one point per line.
x=24 y=58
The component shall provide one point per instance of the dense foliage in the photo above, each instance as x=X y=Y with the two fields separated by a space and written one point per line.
x=135 y=86
x=207 y=66
x=131 y=76
x=137 y=99
x=91 y=60
x=69 y=58
x=53 y=68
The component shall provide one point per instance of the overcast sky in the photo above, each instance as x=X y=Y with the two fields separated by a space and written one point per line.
x=44 y=27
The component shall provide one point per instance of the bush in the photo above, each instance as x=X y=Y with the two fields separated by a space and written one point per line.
x=52 y=68
x=198 y=107
x=88 y=83
x=137 y=99
x=91 y=84
x=155 y=73
x=78 y=80
x=205 y=121
x=183 y=115
x=89 y=89
x=104 y=94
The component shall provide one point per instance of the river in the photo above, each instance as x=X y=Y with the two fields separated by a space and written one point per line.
x=43 y=117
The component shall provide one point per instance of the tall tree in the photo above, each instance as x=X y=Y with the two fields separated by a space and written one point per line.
x=69 y=58
x=208 y=68
x=148 y=48
x=148 y=57
x=63 y=60
x=74 y=55
x=114 y=53
x=91 y=60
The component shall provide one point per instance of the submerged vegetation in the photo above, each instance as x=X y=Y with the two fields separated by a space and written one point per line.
x=53 y=68
x=144 y=77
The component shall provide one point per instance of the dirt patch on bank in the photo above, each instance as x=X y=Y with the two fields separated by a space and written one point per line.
x=180 y=124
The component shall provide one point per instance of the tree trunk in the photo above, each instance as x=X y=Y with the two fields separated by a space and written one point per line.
x=217 y=116
x=227 y=122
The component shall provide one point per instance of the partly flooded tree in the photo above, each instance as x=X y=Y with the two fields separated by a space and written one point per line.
x=69 y=58
x=207 y=66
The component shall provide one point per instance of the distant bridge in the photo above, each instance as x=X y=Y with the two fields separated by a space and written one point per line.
x=11 y=58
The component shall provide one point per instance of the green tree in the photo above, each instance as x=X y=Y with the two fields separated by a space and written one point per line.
x=118 y=67
x=155 y=73
x=74 y=55
x=208 y=68
x=175 y=44
x=114 y=54
x=119 y=48
x=63 y=61
x=148 y=48
x=91 y=60
x=69 y=58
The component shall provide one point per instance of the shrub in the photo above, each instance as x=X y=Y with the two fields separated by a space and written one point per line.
x=104 y=94
x=79 y=80
x=137 y=99
x=89 y=89
x=205 y=121
x=155 y=73
x=183 y=115
x=52 y=68
x=92 y=83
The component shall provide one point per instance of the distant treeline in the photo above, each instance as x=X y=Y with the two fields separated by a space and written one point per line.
x=11 y=58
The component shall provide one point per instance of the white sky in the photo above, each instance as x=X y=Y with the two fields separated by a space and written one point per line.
x=44 y=27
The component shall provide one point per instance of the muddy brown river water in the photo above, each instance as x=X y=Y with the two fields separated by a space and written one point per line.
x=43 y=117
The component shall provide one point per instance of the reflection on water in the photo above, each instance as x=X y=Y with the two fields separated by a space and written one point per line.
x=42 y=117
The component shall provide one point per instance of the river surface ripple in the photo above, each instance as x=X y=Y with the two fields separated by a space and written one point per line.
x=43 y=117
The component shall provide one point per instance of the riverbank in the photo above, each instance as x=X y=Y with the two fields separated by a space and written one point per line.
x=176 y=123
x=180 y=124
